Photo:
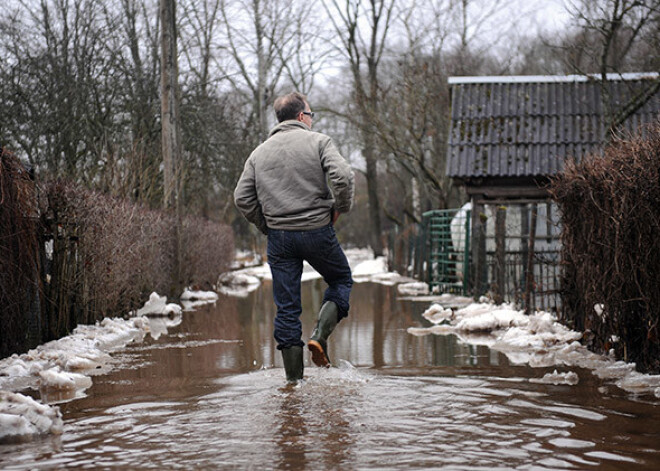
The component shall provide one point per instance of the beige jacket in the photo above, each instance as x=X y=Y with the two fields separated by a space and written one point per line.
x=285 y=180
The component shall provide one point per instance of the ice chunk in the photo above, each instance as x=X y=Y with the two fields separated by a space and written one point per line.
x=56 y=379
x=492 y=320
x=195 y=295
x=614 y=370
x=413 y=289
x=570 y=378
x=22 y=418
x=639 y=383
x=436 y=314
x=157 y=306
x=237 y=284
x=370 y=267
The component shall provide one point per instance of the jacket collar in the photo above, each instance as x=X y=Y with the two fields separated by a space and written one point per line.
x=288 y=125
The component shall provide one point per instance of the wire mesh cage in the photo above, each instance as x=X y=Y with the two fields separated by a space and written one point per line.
x=447 y=235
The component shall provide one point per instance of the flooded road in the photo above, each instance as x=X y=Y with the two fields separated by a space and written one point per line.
x=210 y=394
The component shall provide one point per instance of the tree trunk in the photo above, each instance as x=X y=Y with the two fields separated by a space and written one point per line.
x=171 y=133
x=372 y=193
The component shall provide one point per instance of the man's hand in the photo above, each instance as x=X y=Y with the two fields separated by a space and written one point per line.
x=335 y=216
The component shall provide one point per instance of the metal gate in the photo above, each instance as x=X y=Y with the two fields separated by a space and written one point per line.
x=447 y=236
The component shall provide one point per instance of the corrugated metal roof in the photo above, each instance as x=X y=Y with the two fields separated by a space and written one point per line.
x=550 y=78
x=517 y=127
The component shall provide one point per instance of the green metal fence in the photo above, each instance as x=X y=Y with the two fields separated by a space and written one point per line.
x=447 y=236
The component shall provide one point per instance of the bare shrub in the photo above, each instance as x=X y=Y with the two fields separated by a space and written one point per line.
x=18 y=254
x=610 y=208
x=207 y=252
x=109 y=254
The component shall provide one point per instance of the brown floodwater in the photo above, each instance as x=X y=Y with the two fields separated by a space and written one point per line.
x=210 y=394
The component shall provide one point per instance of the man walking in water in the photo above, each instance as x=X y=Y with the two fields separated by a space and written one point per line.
x=284 y=191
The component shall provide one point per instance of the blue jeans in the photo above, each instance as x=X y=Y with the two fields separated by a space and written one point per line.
x=286 y=252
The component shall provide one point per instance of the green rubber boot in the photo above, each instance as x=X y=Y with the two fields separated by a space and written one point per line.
x=293 y=363
x=318 y=343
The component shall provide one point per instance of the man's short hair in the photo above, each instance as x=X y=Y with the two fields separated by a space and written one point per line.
x=289 y=106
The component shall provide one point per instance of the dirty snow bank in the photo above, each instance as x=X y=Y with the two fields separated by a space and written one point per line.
x=85 y=350
x=538 y=340
x=22 y=418
x=61 y=370
x=364 y=267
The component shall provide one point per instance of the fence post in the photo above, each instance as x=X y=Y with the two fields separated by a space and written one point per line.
x=466 y=252
x=500 y=239
x=479 y=219
x=422 y=252
x=529 y=275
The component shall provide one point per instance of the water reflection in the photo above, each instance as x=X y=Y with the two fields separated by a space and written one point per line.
x=211 y=394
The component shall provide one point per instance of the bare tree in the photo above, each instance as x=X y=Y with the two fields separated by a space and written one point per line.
x=217 y=134
x=472 y=22
x=442 y=38
x=139 y=34
x=611 y=38
x=199 y=22
x=362 y=31
x=413 y=130
x=264 y=44
x=81 y=79
x=62 y=113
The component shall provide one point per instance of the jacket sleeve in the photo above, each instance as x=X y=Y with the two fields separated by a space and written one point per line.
x=340 y=176
x=245 y=198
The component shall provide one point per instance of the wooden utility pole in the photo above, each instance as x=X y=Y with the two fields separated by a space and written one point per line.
x=171 y=131
x=171 y=141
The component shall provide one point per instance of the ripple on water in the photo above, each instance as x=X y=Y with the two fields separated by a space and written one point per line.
x=340 y=418
x=371 y=419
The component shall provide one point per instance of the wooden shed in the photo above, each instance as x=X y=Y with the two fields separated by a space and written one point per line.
x=509 y=135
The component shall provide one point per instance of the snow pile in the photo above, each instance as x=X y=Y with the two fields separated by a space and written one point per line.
x=61 y=369
x=158 y=306
x=375 y=270
x=238 y=283
x=245 y=258
x=370 y=267
x=53 y=365
x=481 y=318
x=538 y=340
x=437 y=314
x=192 y=299
x=22 y=418
x=85 y=350
x=55 y=378
x=417 y=288
x=570 y=378
x=195 y=295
